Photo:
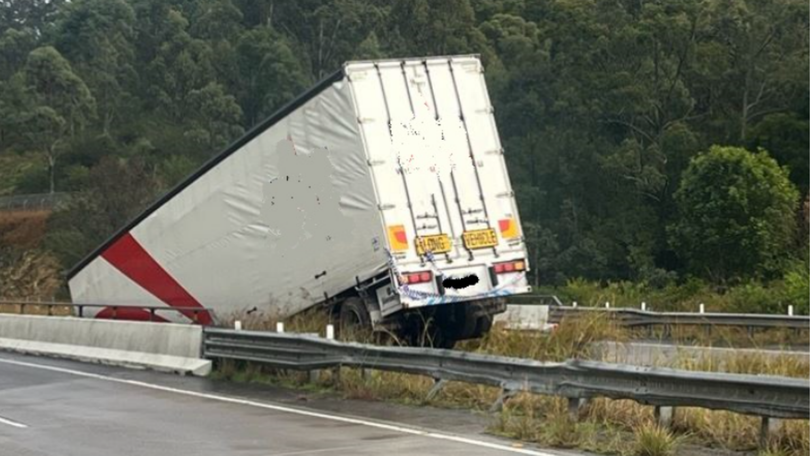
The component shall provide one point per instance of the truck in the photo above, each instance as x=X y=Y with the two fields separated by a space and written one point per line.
x=380 y=195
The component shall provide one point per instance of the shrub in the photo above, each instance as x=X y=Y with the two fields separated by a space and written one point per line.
x=653 y=440
x=797 y=286
x=736 y=214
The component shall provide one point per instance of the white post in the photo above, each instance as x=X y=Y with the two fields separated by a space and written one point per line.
x=607 y=305
x=643 y=306
x=702 y=308
x=330 y=334
x=280 y=327
x=574 y=304
x=790 y=310
x=237 y=325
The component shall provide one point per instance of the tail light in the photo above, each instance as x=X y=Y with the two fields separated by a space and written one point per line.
x=413 y=278
x=505 y=268
x=509 y=266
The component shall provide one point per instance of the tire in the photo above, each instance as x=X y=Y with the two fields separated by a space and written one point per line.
x=483 y=326
x=354 y=319
x=439 y=338
x=466 y=321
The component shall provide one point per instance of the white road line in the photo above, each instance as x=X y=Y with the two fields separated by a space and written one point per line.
x=12 y=423
x=280 y=408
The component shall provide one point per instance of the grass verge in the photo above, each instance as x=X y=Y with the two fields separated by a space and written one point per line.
x=604 y=426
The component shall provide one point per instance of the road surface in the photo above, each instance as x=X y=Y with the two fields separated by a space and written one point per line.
x=58 y=407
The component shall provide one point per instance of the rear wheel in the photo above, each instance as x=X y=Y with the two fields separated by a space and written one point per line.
x=354 y=320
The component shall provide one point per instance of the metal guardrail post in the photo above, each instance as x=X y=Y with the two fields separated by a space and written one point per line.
x=438 y=384
x=664 y=416
x=767 y=429
x=504 y=396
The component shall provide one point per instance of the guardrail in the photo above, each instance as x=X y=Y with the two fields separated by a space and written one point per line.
x=644 y=318
x=765 y=396
x=32 y=202
x=78 y=309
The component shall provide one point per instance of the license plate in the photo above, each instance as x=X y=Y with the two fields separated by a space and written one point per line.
x=480 y=239
x=438 y=243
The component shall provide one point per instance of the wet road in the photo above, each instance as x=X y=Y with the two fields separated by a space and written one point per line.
x=57 y=407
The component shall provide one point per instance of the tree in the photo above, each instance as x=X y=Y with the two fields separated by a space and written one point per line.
x=762 y=63
x=736 y=214
x=63 y=105
x=115 y=190
x=216 y=20
x=269 y=71
x=14 y=48
x=422 y=27
x=33 y=14
x=217 y=117
x=329 y=33
x=96 y=36
x=180 y=65
x=785 y=136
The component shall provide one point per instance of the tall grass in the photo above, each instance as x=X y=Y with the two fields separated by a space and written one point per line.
x=751 y=297
x=653 y=440
x=571 y=339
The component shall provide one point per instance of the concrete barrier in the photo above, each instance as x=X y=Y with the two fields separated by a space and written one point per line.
x=662 y=354
x=160 y=346
x=523 y=317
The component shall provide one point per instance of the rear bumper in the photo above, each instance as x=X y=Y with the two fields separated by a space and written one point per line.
x=430 y=294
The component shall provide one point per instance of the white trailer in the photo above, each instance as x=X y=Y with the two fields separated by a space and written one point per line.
x=381 y=193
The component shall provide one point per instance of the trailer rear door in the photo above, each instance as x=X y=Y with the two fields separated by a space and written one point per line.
x=437 y=160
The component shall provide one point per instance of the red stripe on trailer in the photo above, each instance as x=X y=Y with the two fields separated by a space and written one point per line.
x=108 y=313
x=129 y=257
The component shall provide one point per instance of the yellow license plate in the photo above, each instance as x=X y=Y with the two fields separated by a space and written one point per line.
x=480 y=239
x=438 y=243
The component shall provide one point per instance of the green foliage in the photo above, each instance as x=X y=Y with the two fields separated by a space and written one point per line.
x=217 y=116
x=749 y=297
x=600 y=106
x=736 y=214
x=115 y=190
x=797 y=287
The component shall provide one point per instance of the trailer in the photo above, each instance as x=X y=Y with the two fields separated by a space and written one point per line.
x=381 y=195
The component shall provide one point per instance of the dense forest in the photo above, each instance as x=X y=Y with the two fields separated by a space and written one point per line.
x=654 y=142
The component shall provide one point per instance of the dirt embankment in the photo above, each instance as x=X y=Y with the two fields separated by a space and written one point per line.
x=27 y=271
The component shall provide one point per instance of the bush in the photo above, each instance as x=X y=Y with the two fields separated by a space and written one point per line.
x=797 y=287
x=748 y=297
x=753 y=297
x=736 y=215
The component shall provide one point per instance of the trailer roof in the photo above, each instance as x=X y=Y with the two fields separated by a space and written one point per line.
x=236 y=145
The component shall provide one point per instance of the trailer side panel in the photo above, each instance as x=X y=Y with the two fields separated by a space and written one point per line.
x=278 y=225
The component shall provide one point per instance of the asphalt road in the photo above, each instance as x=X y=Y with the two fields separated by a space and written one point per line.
x=58 y=407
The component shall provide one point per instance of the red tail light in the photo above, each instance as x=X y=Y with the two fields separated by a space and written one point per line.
x=510 y=266
x=413 y=278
